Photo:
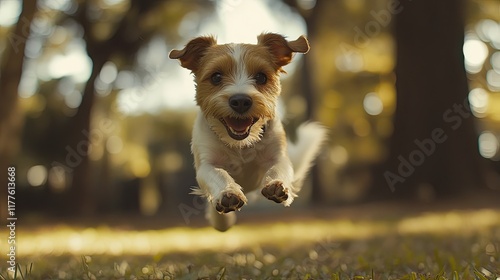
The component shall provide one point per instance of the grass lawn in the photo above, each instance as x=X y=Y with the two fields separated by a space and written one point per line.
x=455 y=244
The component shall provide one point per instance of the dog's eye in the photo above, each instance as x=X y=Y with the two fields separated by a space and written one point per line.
x=216 y=78
x=260 y=78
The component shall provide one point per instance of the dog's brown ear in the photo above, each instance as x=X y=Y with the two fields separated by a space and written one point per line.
x=281 y=49
x=192 y=52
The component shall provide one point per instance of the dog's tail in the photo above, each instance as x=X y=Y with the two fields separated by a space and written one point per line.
x=302 y=153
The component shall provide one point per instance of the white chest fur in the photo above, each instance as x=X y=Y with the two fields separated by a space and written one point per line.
x=246 y=166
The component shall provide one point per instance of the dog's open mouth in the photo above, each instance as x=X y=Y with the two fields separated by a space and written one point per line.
x=238 y=128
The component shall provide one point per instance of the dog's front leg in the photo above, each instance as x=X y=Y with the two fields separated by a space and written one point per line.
x=278 y=182
x=220 y=188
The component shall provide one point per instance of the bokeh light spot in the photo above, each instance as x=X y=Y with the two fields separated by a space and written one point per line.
x=475 y=52
x=9 y=12
x=306 y=4
x=361 y=127
x=57 y=178
x=172 y=161
x=114 y=144
x=73 y=99
x=37 y=175
x=109 y=72
x=350 y=61
x=150 y=198
x=488 y=31
x=493 y=80
x=479 y=100
x=339 y=155
x=75 y=63
x=372 y=104
x=488 y=144
x=495 y=61
x=140 y=167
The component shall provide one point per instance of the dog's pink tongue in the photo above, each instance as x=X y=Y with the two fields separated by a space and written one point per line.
x=239 y=125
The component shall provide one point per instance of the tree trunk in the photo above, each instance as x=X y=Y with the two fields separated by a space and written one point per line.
x=309 y=90
x=434 y=143
x=81 y=194
x=125 y=41
x=11 y=120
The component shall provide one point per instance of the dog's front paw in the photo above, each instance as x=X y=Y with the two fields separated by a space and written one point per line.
x=275 y=191
x=229 y=202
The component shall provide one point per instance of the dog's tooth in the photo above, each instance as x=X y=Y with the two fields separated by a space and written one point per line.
x=236 y=132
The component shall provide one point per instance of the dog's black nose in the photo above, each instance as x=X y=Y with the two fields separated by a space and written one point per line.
x=240 y=103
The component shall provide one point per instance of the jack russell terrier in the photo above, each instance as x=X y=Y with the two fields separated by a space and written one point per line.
x=238 y=141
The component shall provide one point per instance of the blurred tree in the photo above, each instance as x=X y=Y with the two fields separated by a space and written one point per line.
x=140 y=22
x=11 y=71
x=434 y=148
x=125 y=40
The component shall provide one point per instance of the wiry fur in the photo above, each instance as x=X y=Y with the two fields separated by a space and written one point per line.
x=226 y=166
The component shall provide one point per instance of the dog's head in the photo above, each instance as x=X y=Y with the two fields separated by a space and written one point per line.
x=237 y=85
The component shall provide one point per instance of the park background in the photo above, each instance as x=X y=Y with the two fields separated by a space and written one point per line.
x=97 y=120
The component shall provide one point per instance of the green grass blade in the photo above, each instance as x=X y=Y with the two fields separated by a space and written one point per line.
x=479 y=274
x=221 y=273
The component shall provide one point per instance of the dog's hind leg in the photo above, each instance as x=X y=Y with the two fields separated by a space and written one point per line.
x=220 y=222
